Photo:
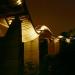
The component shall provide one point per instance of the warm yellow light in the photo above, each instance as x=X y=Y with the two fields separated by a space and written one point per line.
x=10 y=21
x=3 y=27
x=56 y=40
x=60 y=36
x=42 y=28
x=19 y=2
x=3 y=22
x=38 y=31
x=67 y=40
x=28 y=32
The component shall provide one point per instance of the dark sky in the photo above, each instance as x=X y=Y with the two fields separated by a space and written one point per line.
x=58 y=14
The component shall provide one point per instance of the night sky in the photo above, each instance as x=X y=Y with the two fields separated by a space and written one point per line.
x=59 y=15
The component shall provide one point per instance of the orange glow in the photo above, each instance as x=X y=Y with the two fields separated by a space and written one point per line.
x=56 y=40
x=28 y=32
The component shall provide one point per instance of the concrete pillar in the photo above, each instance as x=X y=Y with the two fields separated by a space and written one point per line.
x=31 y=57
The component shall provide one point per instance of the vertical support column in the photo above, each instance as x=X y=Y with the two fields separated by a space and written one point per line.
x=43 y=53
x=31 y=57
x=12 y=50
